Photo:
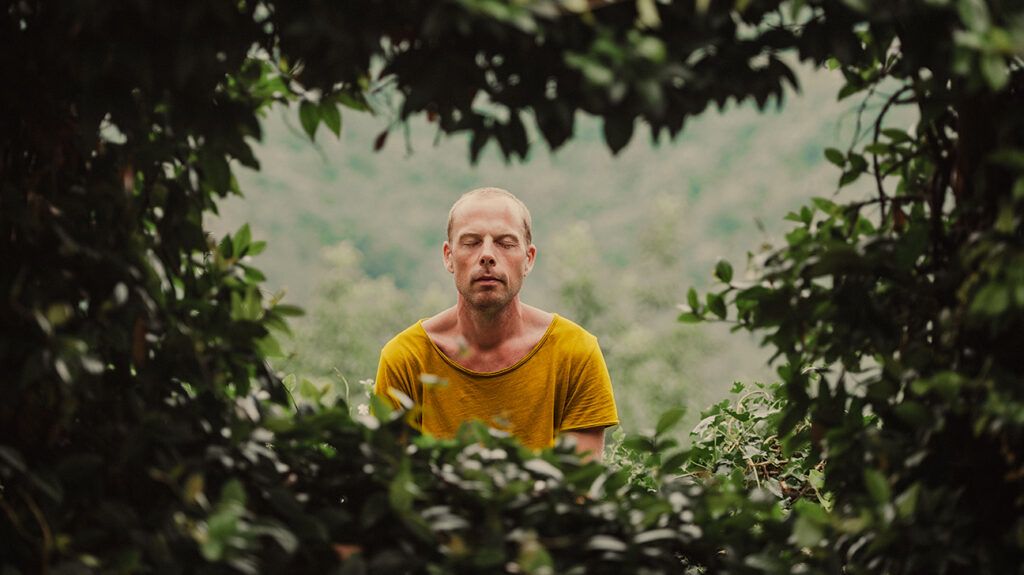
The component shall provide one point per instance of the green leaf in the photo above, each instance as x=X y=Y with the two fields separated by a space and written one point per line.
x=289 y=310
x=242 y=238
x=689 y=317
x=906 y=502
x=913 y=413
x=227 y=247
x=716 y=303
x=269 y=347
x=476 y=143
x=309 y=391
x=309 y=117
x=849 y=90
x=877 y=485
x=849 y=177
x=534 y=558
x=1018 y=190
x=806 y=533
x=877 y=148
x=331 y=116
x=995 y=71
x=825 y=205
x=1012 y=158
x=974 y=14
x=897 y=136
x=675 y=462
x=215 y=170
x=723 y=271
x=403 y=489
x=669 y=419
x=618 y=130
x=355 y=102
x=256 y=248
x=991 y=300
x=693 y=300
x=835 y=156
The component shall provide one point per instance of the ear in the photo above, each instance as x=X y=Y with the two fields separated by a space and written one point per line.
x=531 y=256
x=449 y=263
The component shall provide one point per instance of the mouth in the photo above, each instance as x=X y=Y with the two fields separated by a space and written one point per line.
x=487 y=279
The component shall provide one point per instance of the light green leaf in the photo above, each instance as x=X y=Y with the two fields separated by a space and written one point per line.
x=693 y=299
x=995 y=71
x=669 y=419
x=877 y=485
x=242 y=238
x=806 y=533
x=974 y=14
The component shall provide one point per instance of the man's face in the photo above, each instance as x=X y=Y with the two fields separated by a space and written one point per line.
x=487 y=251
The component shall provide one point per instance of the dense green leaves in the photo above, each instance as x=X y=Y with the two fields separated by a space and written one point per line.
x=142 y=428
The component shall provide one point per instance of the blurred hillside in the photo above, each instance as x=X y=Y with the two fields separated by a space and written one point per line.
x=620 y=239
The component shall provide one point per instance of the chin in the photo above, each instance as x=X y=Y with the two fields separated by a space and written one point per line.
x=489 y=301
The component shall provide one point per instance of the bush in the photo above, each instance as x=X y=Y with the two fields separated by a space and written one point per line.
x=142 y=430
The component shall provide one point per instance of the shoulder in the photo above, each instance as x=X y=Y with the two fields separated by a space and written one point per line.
x=569 y=337
x=408 y=342
x=440 y=325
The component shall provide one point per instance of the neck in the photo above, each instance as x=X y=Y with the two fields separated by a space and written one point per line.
x=486 y=329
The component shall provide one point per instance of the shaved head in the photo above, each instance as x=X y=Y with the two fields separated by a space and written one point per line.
x=493 y=192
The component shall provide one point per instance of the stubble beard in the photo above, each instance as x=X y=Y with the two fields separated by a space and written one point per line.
x=489 y=301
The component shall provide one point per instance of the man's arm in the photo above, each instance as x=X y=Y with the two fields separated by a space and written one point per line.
x=589 y=442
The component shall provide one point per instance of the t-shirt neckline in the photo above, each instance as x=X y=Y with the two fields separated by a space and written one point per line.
x=555 y=318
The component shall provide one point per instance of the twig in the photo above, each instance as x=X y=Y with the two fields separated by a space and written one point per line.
x=44 y=528
x=874 y=157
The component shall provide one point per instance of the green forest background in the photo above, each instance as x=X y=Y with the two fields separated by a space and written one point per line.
x=354 y=235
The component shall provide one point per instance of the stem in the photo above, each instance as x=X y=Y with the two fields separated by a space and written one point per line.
x=882 y=196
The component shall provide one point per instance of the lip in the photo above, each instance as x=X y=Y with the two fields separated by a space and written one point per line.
x=487 y=280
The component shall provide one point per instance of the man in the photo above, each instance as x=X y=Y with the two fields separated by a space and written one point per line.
x=514 y=366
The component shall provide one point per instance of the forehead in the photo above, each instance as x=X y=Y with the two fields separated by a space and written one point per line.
x=487 y=213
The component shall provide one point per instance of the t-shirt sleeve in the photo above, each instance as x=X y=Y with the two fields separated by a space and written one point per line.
x=590 y=402
x=391 y=376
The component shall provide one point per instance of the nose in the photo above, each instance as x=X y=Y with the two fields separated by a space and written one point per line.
x=487 y=255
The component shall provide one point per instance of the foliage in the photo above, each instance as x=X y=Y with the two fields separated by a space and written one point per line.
x=739 y=438
x=897 y=315
x=352 y=317
x=142 y=430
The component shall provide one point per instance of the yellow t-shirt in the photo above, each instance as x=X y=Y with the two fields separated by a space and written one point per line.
x=562 y=384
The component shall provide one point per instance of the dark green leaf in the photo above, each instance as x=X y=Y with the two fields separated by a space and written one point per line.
x=331 y=116
x=309 y=117
x=716 y=303
x=835 y=156
x=618 y=130
x=723 y=271
x=849 y=177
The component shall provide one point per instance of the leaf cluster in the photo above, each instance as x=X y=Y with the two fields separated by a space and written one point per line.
x=141 y=427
